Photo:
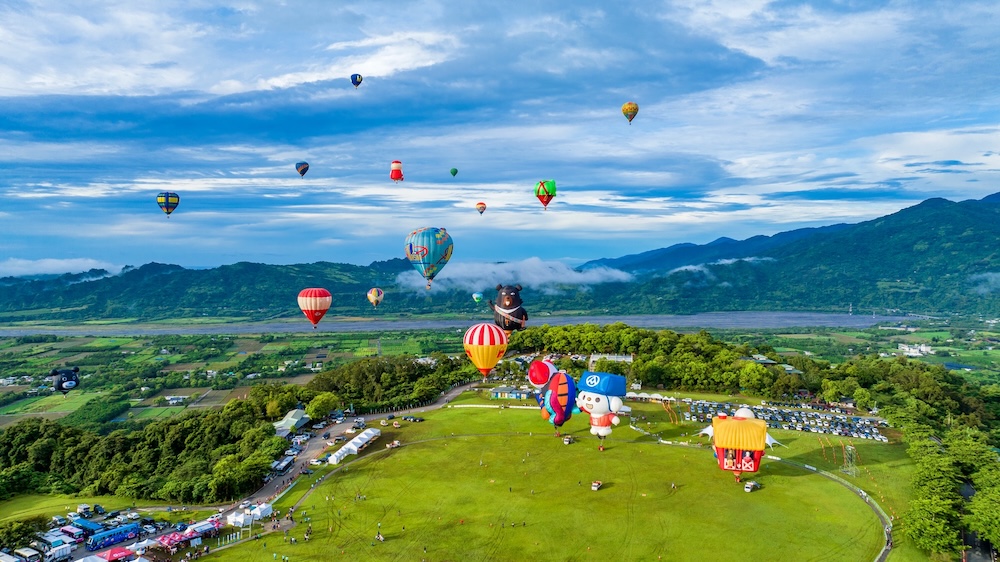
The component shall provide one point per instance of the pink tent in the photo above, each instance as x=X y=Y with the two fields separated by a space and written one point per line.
x=116 y=553
x=190 y=534
x=170 y=539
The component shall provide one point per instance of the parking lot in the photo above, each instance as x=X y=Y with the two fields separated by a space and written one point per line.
x=799 y=418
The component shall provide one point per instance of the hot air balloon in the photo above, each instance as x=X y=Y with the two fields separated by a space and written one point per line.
x=545 y=191
x=629 y=110
x=478 y=297
x=168 y=201
x=485 y=344
x=539 y=372
x=314 y=303
x=396 y=171
x=454 y=172
x=65 y=380
x=558 y=400
x=739 y=441
x=356 y=80
x=429 y=249
x=601 y=395
x=302 y=168
x=481 y=207
x=375 y=296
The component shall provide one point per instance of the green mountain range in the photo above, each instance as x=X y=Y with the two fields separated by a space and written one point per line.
x=937 y=257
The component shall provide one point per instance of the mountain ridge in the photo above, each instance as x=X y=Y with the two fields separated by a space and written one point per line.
x=937 y=256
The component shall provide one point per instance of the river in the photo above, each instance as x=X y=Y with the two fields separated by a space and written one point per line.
x=707 y=320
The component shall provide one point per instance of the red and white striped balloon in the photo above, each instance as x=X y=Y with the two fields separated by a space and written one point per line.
x=314 y=303
x=485 y=344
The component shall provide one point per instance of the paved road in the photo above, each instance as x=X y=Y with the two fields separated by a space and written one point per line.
x=744 y=319
x=315 y=446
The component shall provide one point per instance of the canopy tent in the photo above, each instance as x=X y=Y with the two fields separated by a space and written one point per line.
x=116 y=553
x=190 y=533
x=141 y=545
x=237 y=519
x=354 y=445
x=261 y=511
x=170 y=539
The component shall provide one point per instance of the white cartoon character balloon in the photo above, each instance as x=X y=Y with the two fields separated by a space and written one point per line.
x=600 y=395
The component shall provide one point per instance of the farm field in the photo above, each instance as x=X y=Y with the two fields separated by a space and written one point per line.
x=155 y=412
x=466 y=471
x=54 y=403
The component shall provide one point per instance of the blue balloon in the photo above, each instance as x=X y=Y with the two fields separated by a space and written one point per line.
x=428 y=250
x=356 y=80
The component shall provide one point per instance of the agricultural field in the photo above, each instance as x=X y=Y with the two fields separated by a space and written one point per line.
x=154 y=412
x=466 y=475
x=54 y=403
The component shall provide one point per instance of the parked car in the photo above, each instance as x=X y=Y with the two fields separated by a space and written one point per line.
x=245 y=504
x=326 y=435
x=134 y=515
x=149 y=529
x=98 y=509
x=180 y=527
x=390 y=416
x=315 y=462
x=751 y=485
x=59 y=520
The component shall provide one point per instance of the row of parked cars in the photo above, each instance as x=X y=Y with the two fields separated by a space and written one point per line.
x=796 y=420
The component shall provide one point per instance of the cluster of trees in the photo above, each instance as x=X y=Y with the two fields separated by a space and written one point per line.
x=394 y=381
x=947 y=469
x=198 y=457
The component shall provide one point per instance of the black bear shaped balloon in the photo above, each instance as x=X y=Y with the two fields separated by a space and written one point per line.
x=508 y=312
x=65 y=380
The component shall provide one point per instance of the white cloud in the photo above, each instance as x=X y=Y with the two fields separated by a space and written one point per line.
x=540 y=275
x=15 y=267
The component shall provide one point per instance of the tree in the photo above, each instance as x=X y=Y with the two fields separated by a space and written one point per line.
x=321 y=405
x=984 y=514
x=931 y=525
x=17 y=533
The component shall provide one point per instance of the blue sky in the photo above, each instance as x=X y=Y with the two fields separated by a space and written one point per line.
x=754 y=118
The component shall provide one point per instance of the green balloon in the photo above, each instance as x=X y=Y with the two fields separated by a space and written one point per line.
x=454 y=172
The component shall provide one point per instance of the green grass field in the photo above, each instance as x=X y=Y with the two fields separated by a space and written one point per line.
x=55 y=403
x=453 y=492
x=22 y=507
x=155 y=412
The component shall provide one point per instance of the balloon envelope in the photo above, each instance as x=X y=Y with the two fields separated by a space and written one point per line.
x=629 y=110
x=539 y=372
x=396 y=170
x=481 y=207
x=65 y=380
x=168 y=201
x=356 y=80
x=558 y=400
x=302 y=168
x=454 y=172
x=739 y=443
x=485 y=344
x=428 y=250
x=314 y=303
x=545 y=191
x=478 y=297
x=375 y=296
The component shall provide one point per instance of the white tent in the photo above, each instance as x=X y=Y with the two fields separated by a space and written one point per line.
x=141 y=545
x=630 y=395
x=235 y=520
x=656 y=396
x=354 y=445
x=261 y=511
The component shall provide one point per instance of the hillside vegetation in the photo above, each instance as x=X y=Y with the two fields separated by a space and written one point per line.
x=937 y=257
